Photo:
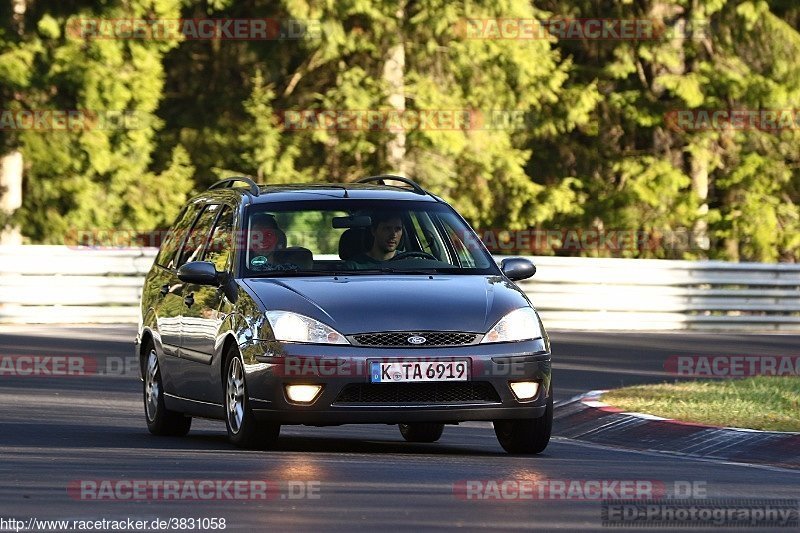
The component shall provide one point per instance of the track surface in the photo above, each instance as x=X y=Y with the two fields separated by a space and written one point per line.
x=59 y=430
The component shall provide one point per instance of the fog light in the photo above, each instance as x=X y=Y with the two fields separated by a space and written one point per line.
x=524 y=390
x=303 y=393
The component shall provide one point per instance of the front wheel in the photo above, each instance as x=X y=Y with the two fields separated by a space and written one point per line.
x=422 y=431
x=160 y=420
x=243 y=429
x=526 y=436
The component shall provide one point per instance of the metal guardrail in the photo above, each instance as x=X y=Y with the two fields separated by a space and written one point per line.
x=57 y=284
x=652 y=294
x=60 y=284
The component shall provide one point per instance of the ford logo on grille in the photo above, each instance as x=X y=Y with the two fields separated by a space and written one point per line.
x=416 y=339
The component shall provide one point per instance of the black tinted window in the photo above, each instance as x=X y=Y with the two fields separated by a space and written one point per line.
x=175 y=235
x=220 y=246
x=198 y=235
x=352 y=235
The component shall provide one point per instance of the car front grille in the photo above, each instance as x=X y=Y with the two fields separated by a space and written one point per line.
x=394 y=339
x=441 y=392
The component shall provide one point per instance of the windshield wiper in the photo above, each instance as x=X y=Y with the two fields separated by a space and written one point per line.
x=335 y=273
x=290 y=273
x=390 y=270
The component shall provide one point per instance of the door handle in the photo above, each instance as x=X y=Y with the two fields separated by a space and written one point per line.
x=189 y=300
x=164 y=289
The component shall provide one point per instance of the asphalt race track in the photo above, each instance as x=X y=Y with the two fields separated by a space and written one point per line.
x=60 y=431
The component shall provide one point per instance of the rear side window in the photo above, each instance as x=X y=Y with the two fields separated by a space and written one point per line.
x=166 y=254
x=198 y=235
x=220 y=247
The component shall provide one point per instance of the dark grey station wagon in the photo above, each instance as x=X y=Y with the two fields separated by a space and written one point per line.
x=371 y=303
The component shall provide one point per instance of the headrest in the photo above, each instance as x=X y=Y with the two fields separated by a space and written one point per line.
x=352 y=242
x=300 y=257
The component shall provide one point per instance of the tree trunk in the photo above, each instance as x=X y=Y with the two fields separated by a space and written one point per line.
x=699 y=157
x=10 y=194
x=18 y=8
x=699 y=175
x=394 y=76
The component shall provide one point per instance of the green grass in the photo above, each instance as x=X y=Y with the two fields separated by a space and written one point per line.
x=768 y=403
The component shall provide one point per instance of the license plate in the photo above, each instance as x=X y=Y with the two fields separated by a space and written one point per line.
x=418 y=371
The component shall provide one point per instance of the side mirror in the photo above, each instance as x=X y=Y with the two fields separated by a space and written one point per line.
x=199 y=272
x=517 y=268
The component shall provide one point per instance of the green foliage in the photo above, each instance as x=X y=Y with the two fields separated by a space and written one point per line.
x=97 y=175
x=597 y=149
x=736 y=187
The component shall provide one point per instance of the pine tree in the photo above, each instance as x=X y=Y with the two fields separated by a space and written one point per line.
x=733 y=191
x=96 y=175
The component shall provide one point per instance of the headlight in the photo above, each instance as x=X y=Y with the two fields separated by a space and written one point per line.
x=518 y=325
x=291 y=327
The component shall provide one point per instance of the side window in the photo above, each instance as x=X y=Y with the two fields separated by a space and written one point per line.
x=220 y=247
x=175 y=235
x=429 y=236
x=198 y=235
x=461 y=249
x=464 y=241
x=425 y=244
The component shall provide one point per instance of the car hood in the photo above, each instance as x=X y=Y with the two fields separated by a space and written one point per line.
x=362 y=304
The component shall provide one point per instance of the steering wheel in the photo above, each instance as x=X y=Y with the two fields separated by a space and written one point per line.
x=406 y=255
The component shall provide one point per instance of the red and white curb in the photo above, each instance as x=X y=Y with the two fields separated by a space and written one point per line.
x=587 y=418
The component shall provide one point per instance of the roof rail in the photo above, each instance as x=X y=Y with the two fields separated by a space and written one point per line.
x=414 y=185
x=252 y=187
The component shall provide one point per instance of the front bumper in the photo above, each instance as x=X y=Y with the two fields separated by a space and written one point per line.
x=337 y=367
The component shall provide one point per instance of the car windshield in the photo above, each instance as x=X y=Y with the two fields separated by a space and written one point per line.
x=351 y=236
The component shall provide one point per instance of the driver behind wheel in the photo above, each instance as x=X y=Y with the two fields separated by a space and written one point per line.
x=387 y=234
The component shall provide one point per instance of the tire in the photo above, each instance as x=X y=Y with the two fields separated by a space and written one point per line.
x=160 y=420
x=422 y=431
x=526 y=436
x=244 y=430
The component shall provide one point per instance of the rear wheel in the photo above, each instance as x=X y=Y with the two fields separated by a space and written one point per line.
x=160 y=420
x=526 y=436
x=243 y=429
x=422 y=431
